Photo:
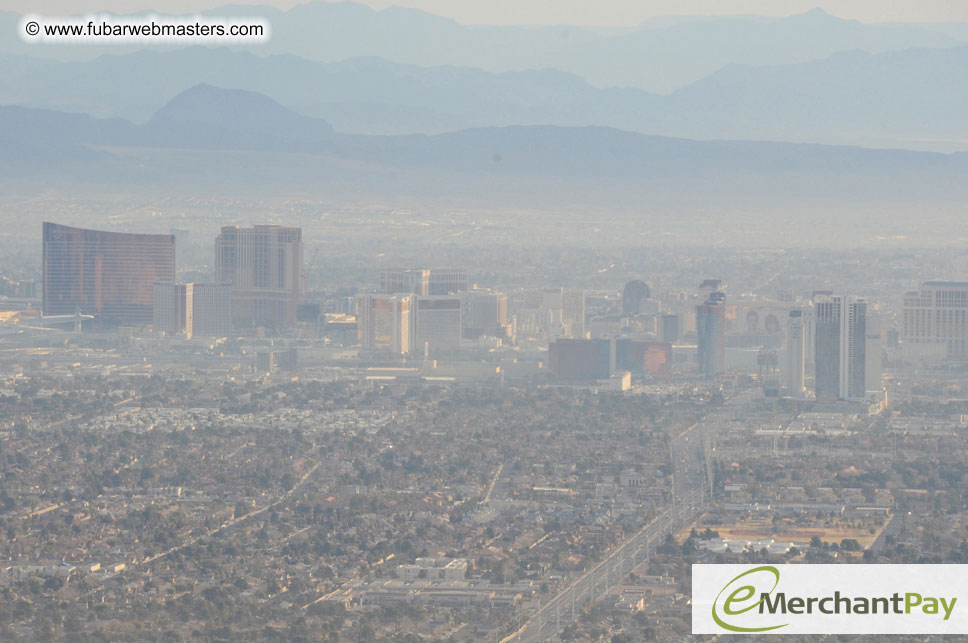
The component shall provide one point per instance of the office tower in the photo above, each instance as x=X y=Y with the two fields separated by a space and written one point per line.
x=212 y=310
x=106 y=274
x=671 y=325
x=573 y=312
x=634 y=293
x=483 y=313
x=710 y=331
x=936 y=319
x=841 y=341
x=173 y=308
x=384 y=322
x=437 y=323
x=264 y=265
x=194 y=309
x=581 y=359
x=827 y=315
x=794 y=367
x=853 y=351
x=423 y=281
x=873 y=354
x=809 y=319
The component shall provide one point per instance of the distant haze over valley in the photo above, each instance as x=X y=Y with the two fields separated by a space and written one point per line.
x=792 y=129
x=810 y=77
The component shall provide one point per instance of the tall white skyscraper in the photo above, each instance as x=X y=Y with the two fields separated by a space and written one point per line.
x=794 y=366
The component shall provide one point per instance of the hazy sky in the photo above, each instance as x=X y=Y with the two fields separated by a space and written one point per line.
x=579 y=12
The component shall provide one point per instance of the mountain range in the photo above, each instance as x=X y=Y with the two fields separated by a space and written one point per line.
x=673 y=125
x=659 y=56
x=210 y=145
x=207 y=118
x=910 y=99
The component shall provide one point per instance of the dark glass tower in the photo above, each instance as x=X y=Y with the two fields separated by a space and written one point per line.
x=711 y=334
x=841 y=348
x=106 y=274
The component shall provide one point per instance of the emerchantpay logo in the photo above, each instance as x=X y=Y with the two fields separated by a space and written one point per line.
x=829 y=599
x=740 y=595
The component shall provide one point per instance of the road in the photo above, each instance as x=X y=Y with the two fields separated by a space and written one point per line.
x=594 y=584
x=298 y=488
x=686 y=452
x=490 y=486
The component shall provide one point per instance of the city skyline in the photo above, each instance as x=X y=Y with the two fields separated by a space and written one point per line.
x=495 y=333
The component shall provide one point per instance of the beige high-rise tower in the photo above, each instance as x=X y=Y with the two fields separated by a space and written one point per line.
x=264 y=265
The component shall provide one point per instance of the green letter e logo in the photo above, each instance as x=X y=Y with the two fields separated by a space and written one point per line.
x=735 y=598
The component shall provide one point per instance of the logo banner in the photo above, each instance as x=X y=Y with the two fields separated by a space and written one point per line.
x=829 y=599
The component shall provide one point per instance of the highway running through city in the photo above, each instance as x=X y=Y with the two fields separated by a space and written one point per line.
x=687 y=452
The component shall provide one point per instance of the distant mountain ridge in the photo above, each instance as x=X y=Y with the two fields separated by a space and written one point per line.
x=913 y=98
x=208 y=117
x=233 y=119
x=581 y=173
x=659 y=56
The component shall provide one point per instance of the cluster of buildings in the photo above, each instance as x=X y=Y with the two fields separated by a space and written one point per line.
x=842 y=338
x=836 y=339
x=125 y=279
x=426 y=311
x=129 y=279
x=836 y=333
